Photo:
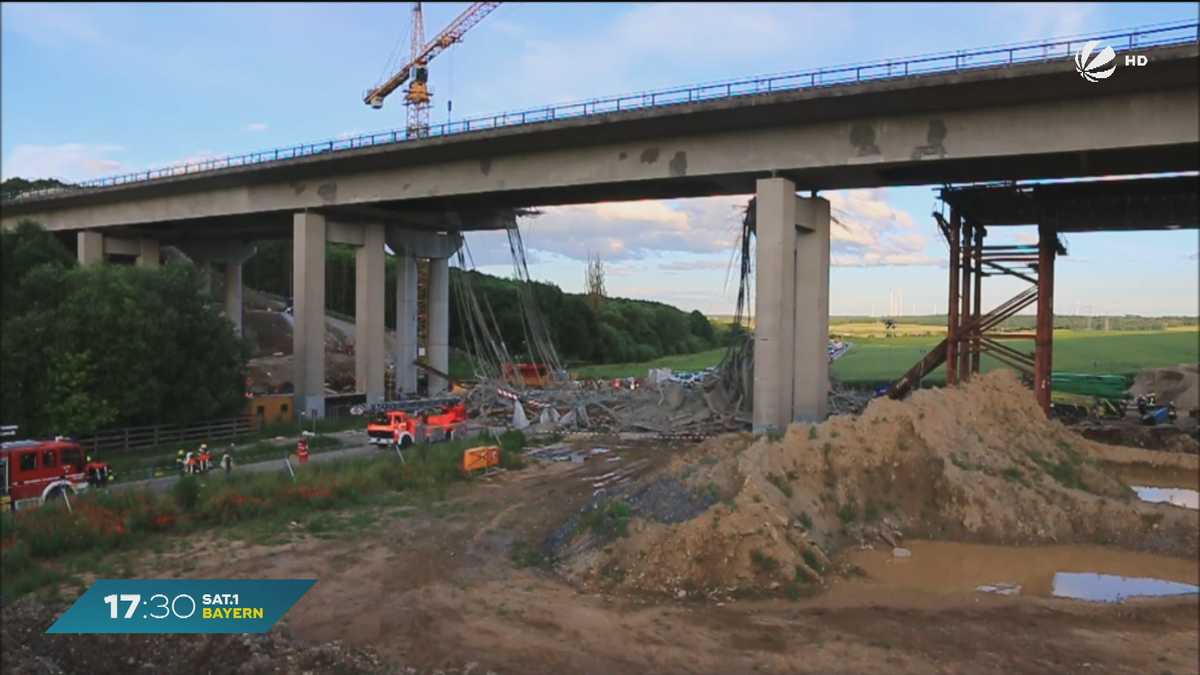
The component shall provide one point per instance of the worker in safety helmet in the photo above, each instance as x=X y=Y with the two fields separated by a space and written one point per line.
x=179 y=462
x=204 y=459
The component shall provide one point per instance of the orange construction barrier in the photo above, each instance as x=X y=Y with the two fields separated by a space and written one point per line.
x=481 y=458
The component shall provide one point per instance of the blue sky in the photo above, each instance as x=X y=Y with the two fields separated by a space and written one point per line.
x=96 y=89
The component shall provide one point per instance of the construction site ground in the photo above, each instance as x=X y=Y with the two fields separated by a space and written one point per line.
x=527 y=572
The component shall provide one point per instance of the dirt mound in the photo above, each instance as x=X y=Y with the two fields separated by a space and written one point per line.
x=270 y=333
x=973 y=463
x=1179 y=385
x=28 y=650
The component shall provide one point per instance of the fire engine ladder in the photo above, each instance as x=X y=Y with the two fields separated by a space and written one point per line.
x=410 y=406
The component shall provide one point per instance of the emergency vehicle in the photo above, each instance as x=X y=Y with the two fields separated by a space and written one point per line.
x=34 y=471
x=417 y=421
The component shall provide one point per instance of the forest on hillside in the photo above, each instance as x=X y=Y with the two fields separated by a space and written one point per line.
x=617 y=331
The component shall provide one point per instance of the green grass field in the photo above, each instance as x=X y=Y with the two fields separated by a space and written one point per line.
x=875 y=360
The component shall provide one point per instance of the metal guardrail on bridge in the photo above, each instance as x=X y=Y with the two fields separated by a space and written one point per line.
x=1159 y=35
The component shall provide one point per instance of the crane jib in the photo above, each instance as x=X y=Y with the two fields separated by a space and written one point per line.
x=451 y=35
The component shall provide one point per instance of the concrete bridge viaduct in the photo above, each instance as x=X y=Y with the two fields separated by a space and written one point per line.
x=1014 y=120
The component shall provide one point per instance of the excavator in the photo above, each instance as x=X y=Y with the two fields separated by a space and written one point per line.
x=417 y=96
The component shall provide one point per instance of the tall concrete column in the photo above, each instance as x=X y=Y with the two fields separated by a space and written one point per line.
x=810 y=374
x=407 y=348
x=791 y=332
x=233 y=294
x=149 y=253
x=410 y=244
x=205 y=275
x=369 y=314
x=774 y=305
x=439 y=323
x=308 y=326
x=89 y=247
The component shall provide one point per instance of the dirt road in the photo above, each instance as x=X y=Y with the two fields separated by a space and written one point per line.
x=437 y=585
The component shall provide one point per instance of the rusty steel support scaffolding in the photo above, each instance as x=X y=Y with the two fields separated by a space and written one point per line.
x=1047 y=251
x=968 y=335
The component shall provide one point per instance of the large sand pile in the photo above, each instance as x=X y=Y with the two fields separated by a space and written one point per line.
x=973 y=463
x=1179 y=385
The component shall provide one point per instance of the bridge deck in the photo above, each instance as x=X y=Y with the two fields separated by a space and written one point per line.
x=759 y=97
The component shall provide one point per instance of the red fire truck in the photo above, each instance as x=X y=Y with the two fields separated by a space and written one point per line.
x=34 y=471
x=418 y=420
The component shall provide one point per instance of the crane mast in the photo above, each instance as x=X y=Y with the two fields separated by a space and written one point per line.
x=417 y=96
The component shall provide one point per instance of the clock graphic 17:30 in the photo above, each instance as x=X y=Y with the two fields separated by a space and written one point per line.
x=182 y=606
x=168 y=605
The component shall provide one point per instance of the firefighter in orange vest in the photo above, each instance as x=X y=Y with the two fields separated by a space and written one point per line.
x=302 y=451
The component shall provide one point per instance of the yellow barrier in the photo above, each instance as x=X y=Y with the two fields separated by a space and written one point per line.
x=481 y=458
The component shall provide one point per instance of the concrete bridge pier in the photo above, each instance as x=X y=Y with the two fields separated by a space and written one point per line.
x=308 y=322
x=791 y=332
x=231 y=255
x=409 y=246
x=370 y=370
x=93 y=247
x=205 y=275
x=311 y=231
x=234 y=308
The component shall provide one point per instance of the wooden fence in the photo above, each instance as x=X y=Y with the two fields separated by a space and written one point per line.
x=149 y=437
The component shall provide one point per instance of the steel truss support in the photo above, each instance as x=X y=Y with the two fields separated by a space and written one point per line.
x=968 y=334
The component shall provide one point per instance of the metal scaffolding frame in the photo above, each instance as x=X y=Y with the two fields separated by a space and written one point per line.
x=1094 y=206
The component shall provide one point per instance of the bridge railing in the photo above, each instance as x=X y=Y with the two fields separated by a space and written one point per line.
x=1159 y=35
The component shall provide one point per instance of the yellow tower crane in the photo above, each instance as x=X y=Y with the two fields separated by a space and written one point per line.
x=417 y=96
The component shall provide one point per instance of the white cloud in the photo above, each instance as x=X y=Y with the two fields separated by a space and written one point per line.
x=254 y=128
x=870 y=232
x=50 y=24
x=635 y=230
x=693 y=266
x=67 y=162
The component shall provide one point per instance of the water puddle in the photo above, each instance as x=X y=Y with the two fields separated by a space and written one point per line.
x=1089 y=573
x=1163 y=486
x=1188 y=499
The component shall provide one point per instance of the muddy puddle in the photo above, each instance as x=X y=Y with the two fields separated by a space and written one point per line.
x=1163 y=486
x=1090 y=573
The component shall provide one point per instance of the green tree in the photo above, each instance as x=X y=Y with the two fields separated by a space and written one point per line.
x=702 y=327
x=110 y=345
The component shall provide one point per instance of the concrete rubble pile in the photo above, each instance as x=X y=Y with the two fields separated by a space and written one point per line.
x=702 y=408
x=667 y=408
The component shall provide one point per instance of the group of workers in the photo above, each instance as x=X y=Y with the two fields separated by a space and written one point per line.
x=201 y=461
